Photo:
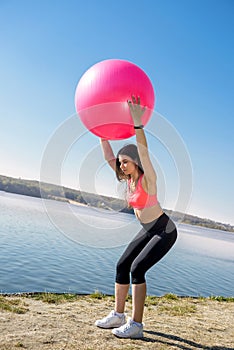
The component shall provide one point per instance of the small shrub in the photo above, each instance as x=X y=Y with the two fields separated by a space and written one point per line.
x=170 y=296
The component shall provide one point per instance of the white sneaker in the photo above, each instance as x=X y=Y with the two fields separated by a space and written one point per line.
x=129 y=330
x=111 y=321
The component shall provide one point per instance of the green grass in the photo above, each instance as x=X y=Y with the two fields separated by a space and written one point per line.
x=150 y=300
x=97 y=295
x=154 y=300
x=171 y=304
x=53 y=298
x=220 y=298
x=170 y=296
x=14 y=305
x=177 y=310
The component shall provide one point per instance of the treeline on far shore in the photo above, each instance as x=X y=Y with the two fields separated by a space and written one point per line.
x=55 y=192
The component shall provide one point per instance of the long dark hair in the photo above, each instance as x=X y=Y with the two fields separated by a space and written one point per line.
x=131 y=151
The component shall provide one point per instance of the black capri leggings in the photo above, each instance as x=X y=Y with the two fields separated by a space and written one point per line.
x=149 y=246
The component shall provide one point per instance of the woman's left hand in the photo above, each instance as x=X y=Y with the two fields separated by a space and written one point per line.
x=136 y=110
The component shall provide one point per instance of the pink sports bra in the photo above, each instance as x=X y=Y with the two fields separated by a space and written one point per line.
x=140 y=199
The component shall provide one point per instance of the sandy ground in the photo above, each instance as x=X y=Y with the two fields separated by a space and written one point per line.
x=171 y=324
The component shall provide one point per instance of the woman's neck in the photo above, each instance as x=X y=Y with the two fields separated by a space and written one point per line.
x=135 y=176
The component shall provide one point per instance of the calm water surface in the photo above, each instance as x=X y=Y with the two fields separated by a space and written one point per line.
x=66 y=255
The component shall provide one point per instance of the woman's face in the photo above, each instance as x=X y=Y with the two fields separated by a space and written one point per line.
x=127 y=165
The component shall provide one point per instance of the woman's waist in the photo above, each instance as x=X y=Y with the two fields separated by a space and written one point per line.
x=148 y=215
x=161 y=223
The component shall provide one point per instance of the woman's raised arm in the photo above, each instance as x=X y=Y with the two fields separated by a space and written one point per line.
x=108 y=153
x=137 y=112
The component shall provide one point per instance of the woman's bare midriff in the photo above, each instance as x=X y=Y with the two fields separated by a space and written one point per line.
x=150 y=214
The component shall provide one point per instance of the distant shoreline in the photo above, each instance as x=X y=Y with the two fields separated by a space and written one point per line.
x=34 y=188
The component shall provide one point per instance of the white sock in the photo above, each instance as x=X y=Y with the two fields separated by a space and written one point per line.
x=137 y=323
x=119 y=314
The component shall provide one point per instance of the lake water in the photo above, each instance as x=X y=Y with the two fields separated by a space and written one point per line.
x=55 y=247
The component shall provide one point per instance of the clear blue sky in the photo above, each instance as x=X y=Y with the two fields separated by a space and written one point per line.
x=186 y=48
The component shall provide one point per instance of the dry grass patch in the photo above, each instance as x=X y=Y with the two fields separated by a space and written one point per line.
x=13 y=305
x=66 y=321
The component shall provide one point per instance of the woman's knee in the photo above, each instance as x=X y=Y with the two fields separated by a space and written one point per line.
x=137 y=274
x=122 y=272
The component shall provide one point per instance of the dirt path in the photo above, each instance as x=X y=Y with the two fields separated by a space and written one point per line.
x=170 y=324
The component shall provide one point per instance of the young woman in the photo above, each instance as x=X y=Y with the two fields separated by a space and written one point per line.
x=157 y=236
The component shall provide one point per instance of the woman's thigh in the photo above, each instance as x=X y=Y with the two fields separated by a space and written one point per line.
x=134 y=248
x=154 y=250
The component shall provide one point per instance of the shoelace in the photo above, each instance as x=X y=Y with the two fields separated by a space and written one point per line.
x=127 y=326
x=109 y=317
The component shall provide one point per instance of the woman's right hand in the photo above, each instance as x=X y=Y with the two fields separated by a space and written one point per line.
x=136 y=110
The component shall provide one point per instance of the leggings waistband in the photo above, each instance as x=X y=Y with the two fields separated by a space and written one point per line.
x=162 y=223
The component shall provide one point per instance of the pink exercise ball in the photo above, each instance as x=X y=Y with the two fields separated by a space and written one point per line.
x=101 y=98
